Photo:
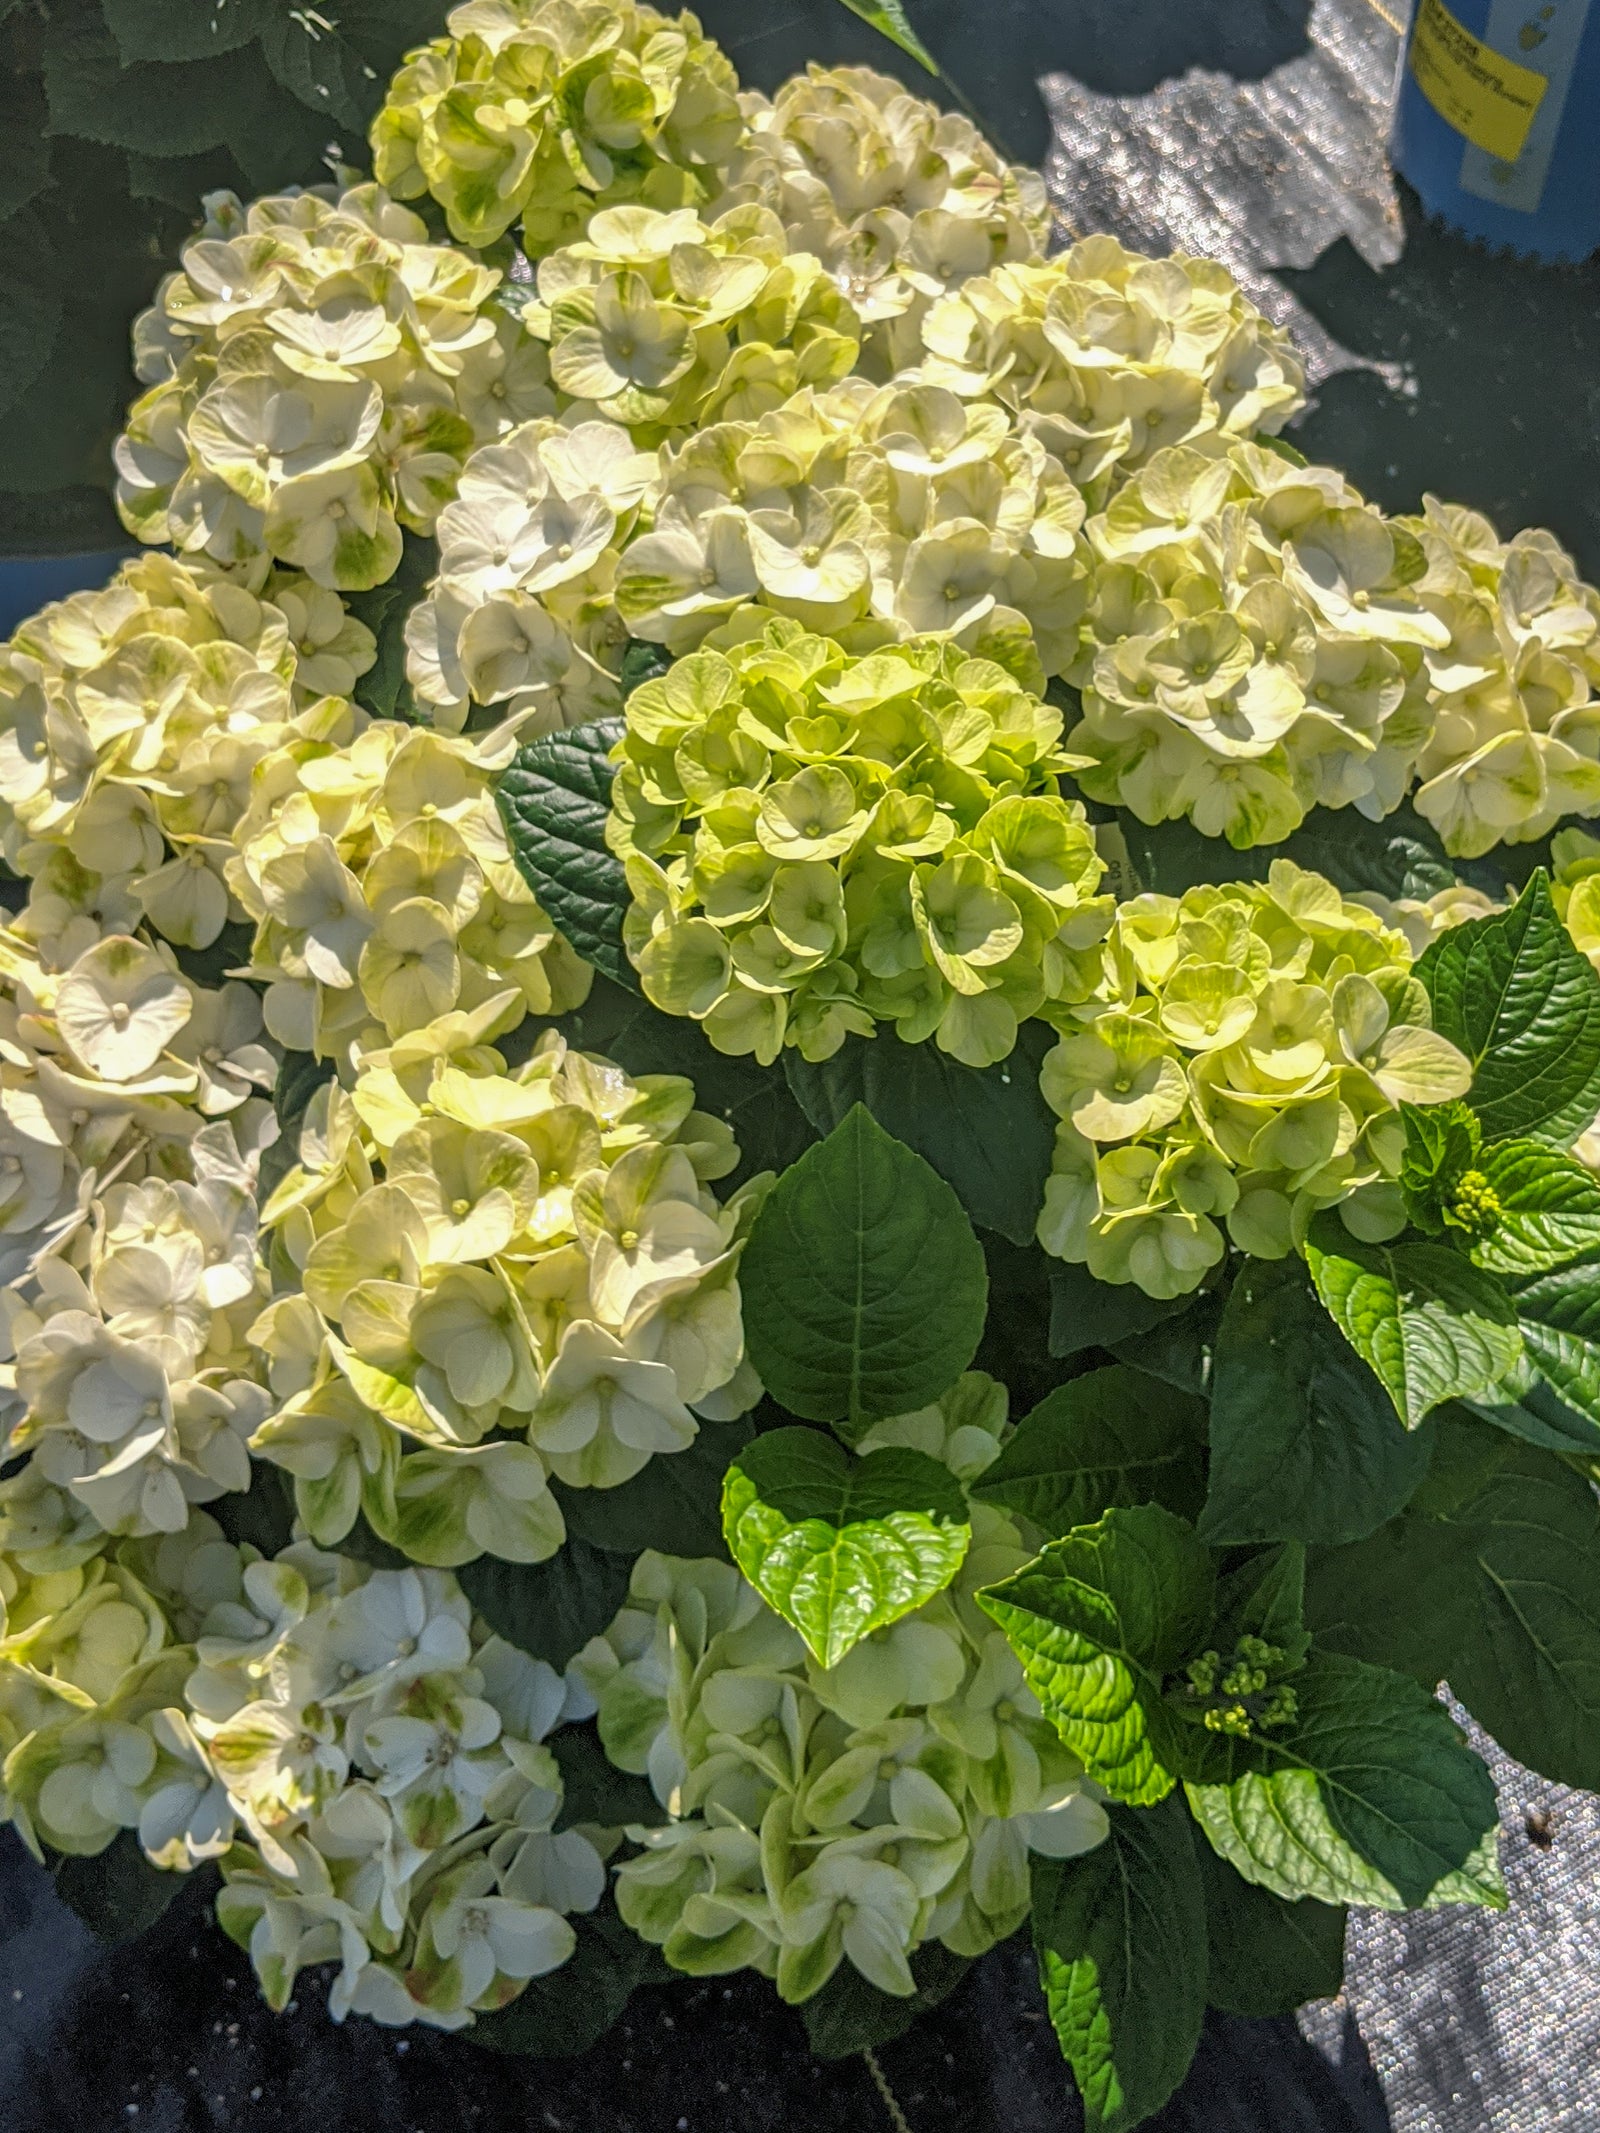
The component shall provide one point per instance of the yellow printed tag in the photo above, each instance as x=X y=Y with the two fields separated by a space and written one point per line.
x=1488 y=98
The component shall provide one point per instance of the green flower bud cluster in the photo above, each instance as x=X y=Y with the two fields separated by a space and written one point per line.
x=821 y=1816
x=817 y=843
x=375 y=868
x=487 y=1277
x=131 y=720
x=901 y=202
x=319 y=369
x=1238 y=1696
x=1516 y=735
x=1113 y=356
x=1256 y=644
x=668 y=323
x=552 y=109
x=1242 y=1062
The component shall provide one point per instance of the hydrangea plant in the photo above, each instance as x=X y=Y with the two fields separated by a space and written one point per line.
x=783 y=1213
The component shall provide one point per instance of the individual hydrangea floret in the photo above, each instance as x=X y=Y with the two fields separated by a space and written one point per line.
x=374 y=866
x=319 y=369
x=542 y=114
x=492 y=1276
x=131 y=722
x=901 y=202
x=817 y=844
x=1242 y=1064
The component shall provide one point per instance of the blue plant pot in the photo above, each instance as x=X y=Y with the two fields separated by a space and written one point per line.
x=1496 y=118
x=28 y=583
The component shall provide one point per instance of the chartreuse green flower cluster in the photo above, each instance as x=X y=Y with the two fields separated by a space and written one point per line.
x=375 y=869
x=901 y=202
x=817 y=843
x=131 y=722
x=490 y=1276
x=318 y=371
x=1242 y=1064
x=844 y=1814
x=542 y=114
x=361 y=1757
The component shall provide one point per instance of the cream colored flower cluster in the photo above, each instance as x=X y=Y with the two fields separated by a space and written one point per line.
x=131 y=722
x=1242 y=1063
x=373 y=863
x=1257 y=644
x=1114 y=356
x=490 y=1276
x=847 y=1814
x=816 y=844
x=900 y=201
x=363 y=1759
x=1516 y=735
x=547 y=110
x=319 y=370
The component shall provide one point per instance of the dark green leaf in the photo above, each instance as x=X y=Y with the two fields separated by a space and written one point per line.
x=180 y=29
x=118 y=1894
x=848 y=2015
x=864 y=1288
x=1433 y=1326
x=1121 y=1938
x=300 y=1076
x=554 y=801
x=1305 y=1442
x=594 y=1790
x=24 y=144
x=989 y=1132
x=1111 y=1437
x=1179 y=1349
x=642 y=662
x=1559 y=1314
x=1368 y=1797
x=1264 y=1596
x=261 y=1516
x=1537 y=1416
x=567 y=2010
x=1098 y=1620
x=841 y=1546
x=674 y=1504
x=1085 y=1313
x=384 y=689
x=1515 y=995
x=30 y=306
x=549 y=1610
x=1267 y=1957
x=1442 y=1142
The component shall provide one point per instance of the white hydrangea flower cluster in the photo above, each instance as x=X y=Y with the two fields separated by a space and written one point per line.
x=1515 y=691
x=842 y=1814
x=131 y=721
x=1113 y=356
x=491 y=1276
x=547 y=110
x=1257 y=643
x=373 y=862
x=131 y=1128
x=901 y=202
x=1244 y=1062
x=319 y=370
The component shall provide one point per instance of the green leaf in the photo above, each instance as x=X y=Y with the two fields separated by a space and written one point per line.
x=1305 y=1442
x=550 y=1610
x=842 y=1546
x=1369 y=1797
x=988 y=1132
x=1098 y=1620
x=569 y=2009
x=1501 y=1596
x=674 y=1504
x=888 y=18
x=554 y=800
x=24 y=143
x=179 y=29
x=1515 y=994
x=1433 y=1326
x=1536 y=1416
x=594 y=1790
x=1442 y=1143
x=1111 y=1437
x=1267 y=1957
x=1179 y=1349
x=117 y=1893
x=1085 y=1313
x=1559 y=1315
x=1549 y=1209
x=384 y=689
x=30 y=306
x=864 y=1287
x=641 y=662
x=1121 y=1939
x=848 y=2015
